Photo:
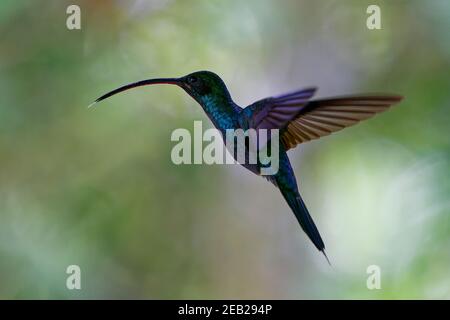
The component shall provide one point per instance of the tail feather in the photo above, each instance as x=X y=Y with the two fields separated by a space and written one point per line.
x=297 y=205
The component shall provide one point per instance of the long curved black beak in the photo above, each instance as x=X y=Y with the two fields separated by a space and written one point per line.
x=141 y=83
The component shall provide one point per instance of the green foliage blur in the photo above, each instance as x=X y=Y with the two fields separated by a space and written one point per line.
x=96 y=187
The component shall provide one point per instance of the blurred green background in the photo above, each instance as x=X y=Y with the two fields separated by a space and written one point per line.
x=96 y=187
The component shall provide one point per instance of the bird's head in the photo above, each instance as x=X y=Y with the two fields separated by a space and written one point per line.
x=201 y=85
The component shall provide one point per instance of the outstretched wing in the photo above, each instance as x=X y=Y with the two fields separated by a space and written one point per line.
x=277 y=112
x=323 y=117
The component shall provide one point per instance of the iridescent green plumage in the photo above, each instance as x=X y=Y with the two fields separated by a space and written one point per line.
x=298 y=118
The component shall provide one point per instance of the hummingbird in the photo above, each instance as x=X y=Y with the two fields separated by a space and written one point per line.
x=297 y=116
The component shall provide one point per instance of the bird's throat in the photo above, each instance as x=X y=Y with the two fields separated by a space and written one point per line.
x=222 y=112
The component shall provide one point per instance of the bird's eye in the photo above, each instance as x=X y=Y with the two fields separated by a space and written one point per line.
x=192 y=79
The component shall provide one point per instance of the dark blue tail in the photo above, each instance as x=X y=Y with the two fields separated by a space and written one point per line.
x=297 y=205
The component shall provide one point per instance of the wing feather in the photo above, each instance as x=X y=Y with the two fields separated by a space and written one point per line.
x=322 y=117
x=277 y=112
